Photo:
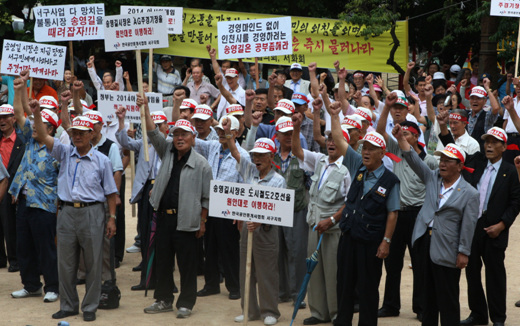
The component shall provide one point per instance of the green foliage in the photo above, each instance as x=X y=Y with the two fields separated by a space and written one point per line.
x=376 y=16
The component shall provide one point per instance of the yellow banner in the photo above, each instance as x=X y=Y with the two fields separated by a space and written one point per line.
x=314 y=40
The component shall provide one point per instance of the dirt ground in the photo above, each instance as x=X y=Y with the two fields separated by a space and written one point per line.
x=216 y=309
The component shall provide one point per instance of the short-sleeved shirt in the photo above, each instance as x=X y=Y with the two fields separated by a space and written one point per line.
x=204 y=88
x=250 y=174
x=223 y=164
x=6 y=147
x=239 y=94
x=45 y=91
x=113 y=154
x=38 y=171
x=167 y=81
x=354 y=163
x=86 y=178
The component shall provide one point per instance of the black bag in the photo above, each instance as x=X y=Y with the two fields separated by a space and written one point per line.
x=110 y=296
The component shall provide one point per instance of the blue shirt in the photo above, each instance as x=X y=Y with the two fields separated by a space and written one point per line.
x=223 y=164
x=39 y=171
x=86 y=178
x=354 y=163
x=251 y=175
x=268 y=131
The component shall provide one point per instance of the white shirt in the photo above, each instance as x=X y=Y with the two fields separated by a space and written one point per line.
x=239 y=94
x=510 y=127
x=445 y=195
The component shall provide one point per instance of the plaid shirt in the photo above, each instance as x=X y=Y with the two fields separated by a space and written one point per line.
x=306 y=131
x=211 y=150
x=285 y=163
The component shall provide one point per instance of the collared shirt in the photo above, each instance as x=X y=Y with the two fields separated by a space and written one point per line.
x=86 y=178
x=251 y=83
x=6 y=147
x=286 y=162
x=467 y=143
x=205 y=79
x=492 y=178
x=422 y=104
x=204 y=88
x=211 y=136
x=98 y=83
x=307 y=132
x=113 y=154
x=239 y=94
x=488 y=123
x=295 y=86
x=223 y=164
x=445 y=195
x=352 y=160
x=166 y=81
x=267 y=131
x=310 y=161
x=249 y=172
x=170 y=198
x=38 y=171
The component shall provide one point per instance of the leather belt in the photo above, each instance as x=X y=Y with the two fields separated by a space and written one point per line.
x=79 y=204
x=170 y=211
x=410 y=208
x=152 y=181
x=429 y=231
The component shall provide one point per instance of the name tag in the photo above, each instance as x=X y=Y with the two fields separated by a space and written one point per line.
x=381 y=191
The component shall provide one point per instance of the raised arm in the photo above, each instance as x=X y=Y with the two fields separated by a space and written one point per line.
x=41 y=130
x=98 y=84
x=495 y=107
x=406 y=78
x=24 y=75
x=223 y=91
x=342 y=94
x=510 y=107
x=213 y=56
x=248 y=110
x=270 y=94
x=317 y=104
x=381 y=83
x=126 y=76
x=19 y=90
x=296 y=145
x=381 y=124
x=226 y=124
x=315 y=84
x=119 y=76
x=430 y=111
x=242 y=68
x=77 y=87
x=188 y=75
x=335 y=125
x=178 y=97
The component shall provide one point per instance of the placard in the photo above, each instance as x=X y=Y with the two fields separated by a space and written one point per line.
x=135 y=32
x=505 y=8
x=69 y=22
x=109 y=101
x=255 y=38
x=173 y=15
x=251 y=203
x=43 y=61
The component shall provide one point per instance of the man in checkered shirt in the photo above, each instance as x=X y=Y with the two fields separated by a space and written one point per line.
x=221 y=240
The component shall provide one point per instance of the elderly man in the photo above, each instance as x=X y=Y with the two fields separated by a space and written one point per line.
x=41 y=89
x=458 y=120
x=201 y=91
x=108 y=80
x=202 y=121
x=181 y=214
x=234 y=88
x=444 y=229
x=297 y=84
x=85 y=183
x=167 y=76
x=367 y=224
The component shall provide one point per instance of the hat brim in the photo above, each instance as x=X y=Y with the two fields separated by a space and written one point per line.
x=284 y=110
x=260 y=150
x=484 y=136
x=286 y=129
x=446 y=153
x=299 y=102
x=159 y=121
x=80 y=128
x=230 y=75
x=236 y=113
x=201 y=116
x=362 y=141
x=183 y=128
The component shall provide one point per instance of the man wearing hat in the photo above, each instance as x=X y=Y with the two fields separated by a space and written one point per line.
x=237 y=111
x=367 y=224
x=145 y=174
x=186 y=110
x=167 y=76
x=35 y=189
x=458 y=119
x=203 y=120
x=454 y=72
x=297 y=84
x=358 y=78
x=181 y=214
x=411 y=200
x=221 y=240
x=85 y=182
x=330 y=184
x=12 y=149
x=264 y=267
x=444 y=229
x=277 y=80
x=236 y=91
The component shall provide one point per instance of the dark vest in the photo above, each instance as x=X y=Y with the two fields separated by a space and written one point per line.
x=479 y=129
x=365 y=215
x=105 y=148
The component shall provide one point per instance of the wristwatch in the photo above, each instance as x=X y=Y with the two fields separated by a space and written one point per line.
x=229 y=136
x=387 y=239
x=112 y=216
x=333 y=220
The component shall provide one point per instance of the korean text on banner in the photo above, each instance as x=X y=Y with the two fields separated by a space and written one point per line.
x=43 y=61
x=254 y=38
x=109 y=101
x=69 y=22
x=135 y=32
x=505 y=8
x=313 y=40
x=173 y=15
x=251 y=203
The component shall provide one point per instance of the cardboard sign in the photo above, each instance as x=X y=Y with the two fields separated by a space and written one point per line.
x=109 y=101
x=43 y=61
x=251 y=203
x=255 y=38
x=505 y=8
x=136 y=32
x=173 y=15
x=69 y=22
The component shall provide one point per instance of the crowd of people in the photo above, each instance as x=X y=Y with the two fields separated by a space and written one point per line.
x=432 y=167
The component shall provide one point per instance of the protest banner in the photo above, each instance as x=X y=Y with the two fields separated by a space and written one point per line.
x=142 y=31
x=69 y=22
x=251 y=203
x=508 y=8
x=43 y=61
x=109 y=101
x=173 y=15
x=313 y=40
x=254 y=38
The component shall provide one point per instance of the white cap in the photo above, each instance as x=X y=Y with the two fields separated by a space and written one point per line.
x=235 y=109
x=478 y=91
x=284 y=124
x=337 y=87
x=82 y=123
x=95 y=116
x=235 y=125
x=296 y=66
x=48 y=102
x=6 y=109
x=158 y=117
x=50 y=117
x=353 y=121
x=453 y=151
x=188 y=103
x=231 y=72
x=203 y=112
x=496 y=132
x=438 y=75
x=285 y=105
x=263 y=145
x=455 y=69
x=184 y=125
x=375 y=139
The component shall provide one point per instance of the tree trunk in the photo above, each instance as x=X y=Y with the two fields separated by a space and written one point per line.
x=488 y=49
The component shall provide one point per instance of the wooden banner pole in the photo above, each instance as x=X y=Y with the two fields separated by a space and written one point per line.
x=141 y=109
x=248 y=275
